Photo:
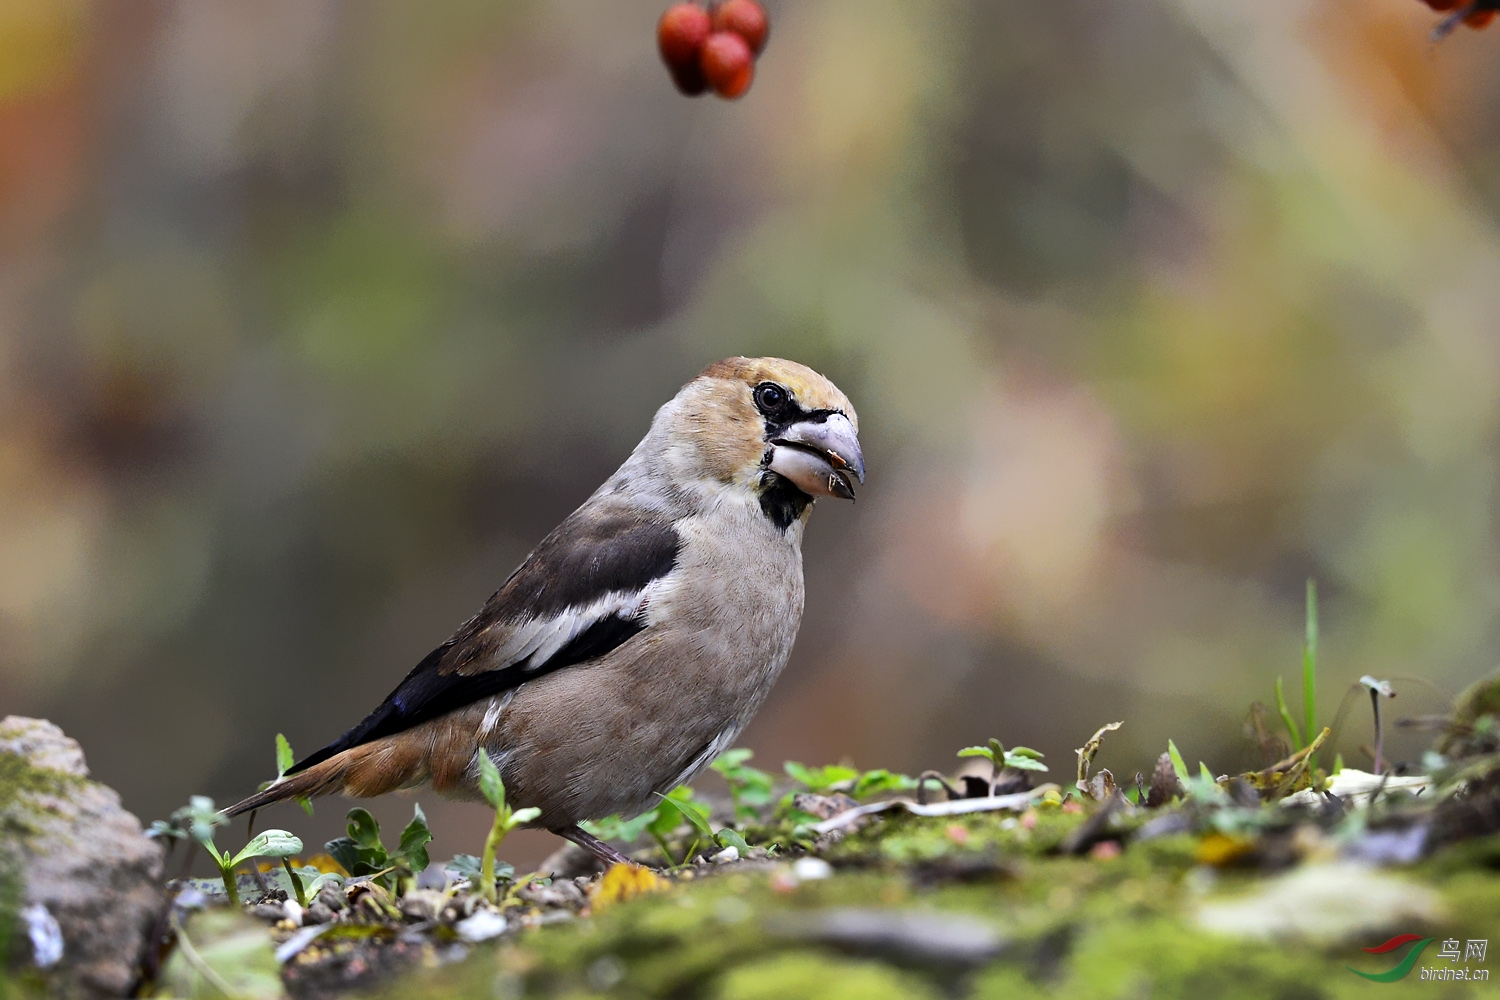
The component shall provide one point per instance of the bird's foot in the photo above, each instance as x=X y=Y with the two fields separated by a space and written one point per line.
x=598 y=848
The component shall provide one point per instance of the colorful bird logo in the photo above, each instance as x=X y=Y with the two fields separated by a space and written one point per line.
x=1402 y=967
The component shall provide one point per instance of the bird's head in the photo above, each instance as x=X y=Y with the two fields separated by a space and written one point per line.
x=764 y=423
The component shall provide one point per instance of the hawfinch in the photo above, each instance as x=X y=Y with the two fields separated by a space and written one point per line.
x=633 y=645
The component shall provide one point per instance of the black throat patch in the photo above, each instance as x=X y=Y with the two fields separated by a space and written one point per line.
x=780 y=500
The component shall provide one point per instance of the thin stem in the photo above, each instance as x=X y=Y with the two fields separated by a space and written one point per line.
x=665 y=850
x=297 y=886
x=1379 y=734
x=487 y=863
x=205 y=970
x=231 y=885
x=1310 y=663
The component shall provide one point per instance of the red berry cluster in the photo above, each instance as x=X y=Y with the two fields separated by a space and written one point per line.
x=713 y=46
x=1475 y=13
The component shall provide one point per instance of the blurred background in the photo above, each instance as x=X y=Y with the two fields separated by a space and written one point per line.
x=316 y=316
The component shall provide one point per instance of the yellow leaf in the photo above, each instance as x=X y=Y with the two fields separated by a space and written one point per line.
x=623 y=882
x=1218 y=849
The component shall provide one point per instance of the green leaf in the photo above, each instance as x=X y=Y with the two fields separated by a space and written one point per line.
x=880 y=781
x=832 y=778
x=668 y=819
x=306 y=805
x=357 y=860
x=731 y=760
x=799 y=773
x=1177 y=762
x=165 y=828
x=614 y=828
x=284 y=757
x=523 y=816
x=414 y=841
x=984 y=752
x=490 y=785
x=269 y=844
x=1310 y=665
x=312 y=880
x=199 y=818
x=364 y=830
x=696 y=813
x=1022 y=763
x=730 y=838
x=467 y=866
x=464 y=866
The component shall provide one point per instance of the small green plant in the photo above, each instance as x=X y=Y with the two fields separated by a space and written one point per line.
x=822 y=780
x=467 y=866
x=198 y=820
x=363 y=853
x=1302 y=735
x=676 y=806
x=625 y=830
x=1020 y=758
x=284 y=761
x=749 y=787
x=1179 y=766
x=880 y=782
x=679 y=805
x=682 y=804
x=851 y=781
x=506 y=820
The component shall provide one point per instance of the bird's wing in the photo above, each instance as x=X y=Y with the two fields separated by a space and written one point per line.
x=579 y=595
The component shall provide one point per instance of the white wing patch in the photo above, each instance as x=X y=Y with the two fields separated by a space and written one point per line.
x=492 y=713
x=539 y=639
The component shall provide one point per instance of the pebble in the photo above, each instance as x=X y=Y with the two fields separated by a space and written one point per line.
x=482 y=926
x=811 y=869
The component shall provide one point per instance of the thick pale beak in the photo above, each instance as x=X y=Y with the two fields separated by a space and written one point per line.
x=821 y=457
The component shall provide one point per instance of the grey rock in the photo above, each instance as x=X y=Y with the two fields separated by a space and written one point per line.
x=79 y=856
x=906 y=937
x=318 y=913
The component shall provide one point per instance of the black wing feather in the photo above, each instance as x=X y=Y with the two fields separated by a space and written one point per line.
x=582 y=560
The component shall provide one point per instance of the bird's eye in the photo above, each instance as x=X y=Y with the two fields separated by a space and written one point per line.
x=770 y=397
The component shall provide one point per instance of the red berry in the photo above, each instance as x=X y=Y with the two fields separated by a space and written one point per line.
x=680 y=35
x=728 y=64
x=1479 y=19
x=689 y=79
x=745 y=18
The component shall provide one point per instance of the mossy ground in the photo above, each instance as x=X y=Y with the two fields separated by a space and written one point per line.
x=1076 y=927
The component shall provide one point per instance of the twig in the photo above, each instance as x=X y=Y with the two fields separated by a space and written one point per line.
x=204 y=969
x=1016 y=802
x=1378 y=689
x=927 y=776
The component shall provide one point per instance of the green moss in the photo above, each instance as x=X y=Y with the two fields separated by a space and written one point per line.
x=18 y=777
x=1075 y=926
x=806 y=975
x=19 y=782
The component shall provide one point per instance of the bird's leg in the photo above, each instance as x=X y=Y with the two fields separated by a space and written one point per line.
x=598 y=848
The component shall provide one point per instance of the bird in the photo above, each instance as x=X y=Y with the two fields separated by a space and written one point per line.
x=636 y=641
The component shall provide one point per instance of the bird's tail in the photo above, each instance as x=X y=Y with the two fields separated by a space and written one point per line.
x=363 y=771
